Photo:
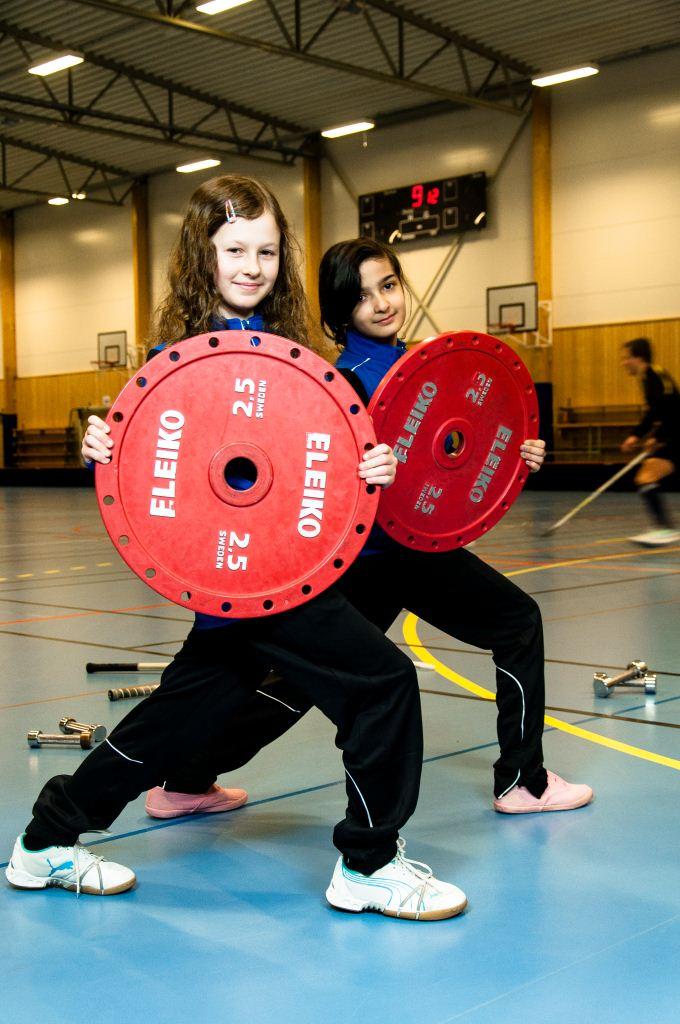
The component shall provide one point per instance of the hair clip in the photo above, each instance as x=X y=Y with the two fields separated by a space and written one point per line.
x=231 y=212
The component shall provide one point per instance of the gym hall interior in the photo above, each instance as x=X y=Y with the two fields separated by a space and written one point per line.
x=465 y=241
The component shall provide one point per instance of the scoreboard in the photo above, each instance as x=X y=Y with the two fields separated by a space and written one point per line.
x=426 y=208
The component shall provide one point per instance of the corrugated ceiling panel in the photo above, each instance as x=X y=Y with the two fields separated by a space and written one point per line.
x=543 y=35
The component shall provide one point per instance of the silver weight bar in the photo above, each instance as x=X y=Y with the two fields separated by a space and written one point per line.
x=37 y=738
x=637 y=675
x=69 y=725
x=125 y=666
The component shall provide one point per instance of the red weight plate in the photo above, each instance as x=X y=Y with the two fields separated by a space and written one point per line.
x=197 y=423
x=455 y=411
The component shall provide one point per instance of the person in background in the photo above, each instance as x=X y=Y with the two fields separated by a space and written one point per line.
x=659 y=431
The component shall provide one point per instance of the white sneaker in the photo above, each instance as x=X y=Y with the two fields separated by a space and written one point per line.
x=402 y=888
x=68 y=867
x=657 y=538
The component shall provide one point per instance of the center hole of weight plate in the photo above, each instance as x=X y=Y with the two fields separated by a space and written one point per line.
x=240 y=473
x=454 y=443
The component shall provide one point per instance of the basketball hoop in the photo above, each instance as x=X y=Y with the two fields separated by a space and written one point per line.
x=516 y=310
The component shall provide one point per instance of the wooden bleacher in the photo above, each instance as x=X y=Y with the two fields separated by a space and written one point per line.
x=591 y=433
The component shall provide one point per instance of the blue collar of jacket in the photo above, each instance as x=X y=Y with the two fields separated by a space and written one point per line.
x=369 y=359
x=251 y=323
x=234 y=323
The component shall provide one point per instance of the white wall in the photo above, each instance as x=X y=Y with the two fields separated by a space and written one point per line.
x=73 y=269
x=616 y=193
x=451 y=144
x=169 y=195
x=616 y=218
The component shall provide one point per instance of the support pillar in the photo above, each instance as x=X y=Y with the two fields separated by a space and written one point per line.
x=312 y=211
x=8 y=308
x=541 y=182
x=141 y=266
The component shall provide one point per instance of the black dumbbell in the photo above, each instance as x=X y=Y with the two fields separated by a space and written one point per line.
x=127 y=692
x=69 y=725
x=636 y=675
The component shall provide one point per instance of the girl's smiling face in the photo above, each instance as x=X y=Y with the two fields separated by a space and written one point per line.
x=381 y=310
x=248 y=253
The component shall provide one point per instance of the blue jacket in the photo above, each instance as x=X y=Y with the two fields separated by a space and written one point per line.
x=370 y=360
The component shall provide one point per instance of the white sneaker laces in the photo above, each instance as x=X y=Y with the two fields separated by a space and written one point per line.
x=93 y=861
x=422 y=873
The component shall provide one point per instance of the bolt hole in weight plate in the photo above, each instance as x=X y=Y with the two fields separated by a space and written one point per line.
x=455 y=411
x=233 y=486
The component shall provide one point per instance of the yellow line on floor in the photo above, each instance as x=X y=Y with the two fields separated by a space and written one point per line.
x=52 y=572
x=585 y=561
x=411 y=637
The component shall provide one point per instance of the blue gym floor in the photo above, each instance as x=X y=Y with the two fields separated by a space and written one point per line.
x=573 y=918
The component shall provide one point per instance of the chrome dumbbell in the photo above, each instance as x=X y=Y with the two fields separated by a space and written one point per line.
x=69 y=725
x=37 y=738
x=636 y=675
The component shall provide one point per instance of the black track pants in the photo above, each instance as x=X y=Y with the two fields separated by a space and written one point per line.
x=340 y=662
x=460 y=595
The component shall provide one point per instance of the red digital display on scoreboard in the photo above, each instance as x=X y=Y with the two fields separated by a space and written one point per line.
x=425 y=208
x=420 y=195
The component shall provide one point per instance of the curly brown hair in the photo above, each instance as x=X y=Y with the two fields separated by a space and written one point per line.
x=192 y=300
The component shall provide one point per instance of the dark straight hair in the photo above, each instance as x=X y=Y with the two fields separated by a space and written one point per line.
x=340 y=281
x=639 y=348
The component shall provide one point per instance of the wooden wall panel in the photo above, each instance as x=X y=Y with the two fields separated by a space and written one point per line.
x=587 y=361
x=47 y=401
x=586 y=371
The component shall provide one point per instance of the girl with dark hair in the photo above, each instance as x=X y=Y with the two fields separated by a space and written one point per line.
x=234 y=265
x=363 y=297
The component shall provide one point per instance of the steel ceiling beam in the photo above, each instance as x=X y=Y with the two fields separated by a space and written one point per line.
x=435 y=28
x=299 y=53
x=170 y=134
x=138 y=77
x=60 y=157
x=10 y=115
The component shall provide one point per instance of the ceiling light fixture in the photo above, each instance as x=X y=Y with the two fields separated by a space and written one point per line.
x=197 y=165
x=58 y=201
x=217 y=6
x=69 y=60
x=78 y=195
x=348 y=129
x=569 y=75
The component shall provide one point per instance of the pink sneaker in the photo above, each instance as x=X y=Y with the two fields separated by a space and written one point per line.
x=160 y=803
x=558 y=796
